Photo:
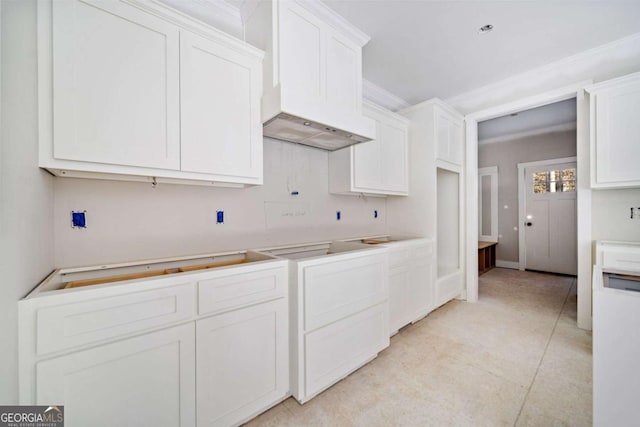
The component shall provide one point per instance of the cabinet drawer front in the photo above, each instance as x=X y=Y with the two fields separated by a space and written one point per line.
x=241 y=288
x=334 y=351
x=84 y=322
x=423 y=254
x=398 y=258
x=623 y=260
x=145 y=380
x=338 y=289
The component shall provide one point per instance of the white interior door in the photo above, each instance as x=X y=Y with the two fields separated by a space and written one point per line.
x=550 y=217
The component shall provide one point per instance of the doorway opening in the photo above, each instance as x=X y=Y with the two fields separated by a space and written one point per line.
x=583 y=190
x=531 y=213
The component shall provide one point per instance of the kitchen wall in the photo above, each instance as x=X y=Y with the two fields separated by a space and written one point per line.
x=26 y=196
x=610 y=219
x=129 y=221
x=506 y=155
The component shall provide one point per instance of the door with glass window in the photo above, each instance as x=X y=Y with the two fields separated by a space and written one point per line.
x=550 y=224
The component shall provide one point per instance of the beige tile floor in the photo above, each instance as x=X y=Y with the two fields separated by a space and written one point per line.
x=515 y=358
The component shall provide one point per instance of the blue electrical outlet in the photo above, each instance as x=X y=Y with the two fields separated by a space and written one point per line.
x=219 y=217
x=375 y=214
x=338 y=215
x=78 y=219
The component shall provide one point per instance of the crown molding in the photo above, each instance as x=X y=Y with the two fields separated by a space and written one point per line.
x=382 y=97
x=219 y=14
x=330 y=16
x=564 y=127
x=166 y=10
x=603 y=62
x=431 y=102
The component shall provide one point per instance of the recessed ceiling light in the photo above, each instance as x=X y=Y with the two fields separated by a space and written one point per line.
x=513 y=114
x=307 y=123
x=485 y=29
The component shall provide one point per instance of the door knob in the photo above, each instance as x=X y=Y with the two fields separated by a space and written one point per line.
x=528 y=224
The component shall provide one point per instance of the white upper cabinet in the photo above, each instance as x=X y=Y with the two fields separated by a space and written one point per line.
x=615 y=132
x=221 y=132
x=127 y=90
x=449 y=136
x=115 y=85
x=313 y=64
x=378 y=167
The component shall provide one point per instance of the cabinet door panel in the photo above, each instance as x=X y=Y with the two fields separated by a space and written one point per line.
x=343 y=71
x=146 y=380
x=302 y=52
x=395 y=157
x=399 y=299
x=366 y=163
x=220 y=111
x=423 y=284
x=115 y=85
x=242 y=363
x=617 y=135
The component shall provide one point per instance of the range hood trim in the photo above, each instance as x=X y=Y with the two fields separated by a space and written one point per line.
x=345 y=138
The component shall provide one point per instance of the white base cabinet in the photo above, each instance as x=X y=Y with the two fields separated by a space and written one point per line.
x=411 y=278
x=204 y=342
x=338 y=311
x=615 y=132
x=379 y=167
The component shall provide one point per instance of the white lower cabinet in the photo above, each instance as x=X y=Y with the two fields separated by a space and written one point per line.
x=338 y=311
x=242 y=363
x=192 y=341
x=147 y=380
x=412 y=285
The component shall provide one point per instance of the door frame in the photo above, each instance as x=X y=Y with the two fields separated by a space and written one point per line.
x=522 y=247
x=583 y=195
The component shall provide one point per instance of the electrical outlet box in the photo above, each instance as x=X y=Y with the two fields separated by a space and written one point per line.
x=78 y=219
x=219 y=217
x=338 y=216
x=375 y=214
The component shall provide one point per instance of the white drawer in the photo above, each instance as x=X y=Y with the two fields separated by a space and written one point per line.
x=338 y=289
x=336 y=350
x=399 y=257
x=628 y=260
x=240 y=287
x=69 y=325
x=423 y=254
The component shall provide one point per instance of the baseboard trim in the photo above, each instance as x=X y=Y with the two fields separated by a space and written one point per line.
x=508 y=264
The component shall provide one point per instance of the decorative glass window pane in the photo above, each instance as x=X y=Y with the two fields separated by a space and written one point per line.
x=540 y=182
x=555 y=181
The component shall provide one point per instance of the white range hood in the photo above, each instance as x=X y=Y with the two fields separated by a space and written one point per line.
x=312 y=74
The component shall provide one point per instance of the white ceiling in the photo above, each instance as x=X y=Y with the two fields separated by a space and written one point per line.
x=557 y=116
x=421 y=49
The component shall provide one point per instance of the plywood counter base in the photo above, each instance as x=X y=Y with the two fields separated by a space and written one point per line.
x=486 y=256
